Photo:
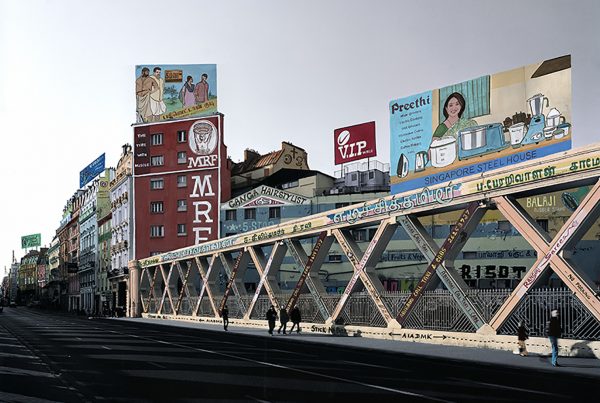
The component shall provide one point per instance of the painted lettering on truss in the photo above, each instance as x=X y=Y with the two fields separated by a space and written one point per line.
x=443 y=195
x=560 y=243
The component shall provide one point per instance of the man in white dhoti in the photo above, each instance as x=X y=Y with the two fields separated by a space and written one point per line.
x=143 y=87
x=157 y=105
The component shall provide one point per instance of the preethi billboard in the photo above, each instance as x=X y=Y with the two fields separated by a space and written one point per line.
x=481 y=124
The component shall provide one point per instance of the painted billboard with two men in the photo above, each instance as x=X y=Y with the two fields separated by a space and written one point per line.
x=175 y=91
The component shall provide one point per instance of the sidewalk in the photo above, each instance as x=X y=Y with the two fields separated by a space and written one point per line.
x=589 y=367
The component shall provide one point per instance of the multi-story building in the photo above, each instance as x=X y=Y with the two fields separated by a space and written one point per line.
x=53 y=276
x=32 y=264
x=121 y=228
x=88 y=246
x=68 y=235
x=253 y=170
x=103 y=295
x=180 y=174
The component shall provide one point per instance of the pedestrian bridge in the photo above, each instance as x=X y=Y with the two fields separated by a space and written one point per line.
x=184 y=284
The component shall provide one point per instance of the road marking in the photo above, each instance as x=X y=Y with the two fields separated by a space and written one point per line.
x=2 y=354
x=19 y=371
x=375 y=366
x=256 y=400
x=508 y=387
x=108 y=348
x=157 y=365
x=317 y=374
x=12 y=397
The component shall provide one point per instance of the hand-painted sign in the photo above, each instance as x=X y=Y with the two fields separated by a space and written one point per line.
x=186 y=90
x=309 y=264
x=449 y=243
x=578 y=163
x=91 y=171
x=264 y=196
x=354 y=142
x=479 y=125
x=31 y=241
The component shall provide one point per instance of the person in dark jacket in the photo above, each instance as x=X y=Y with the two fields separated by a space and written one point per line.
x=271 y=318
x=225 y=316
x=522 y=335
x=296 y=318
x=283 y=319
x=554 y=332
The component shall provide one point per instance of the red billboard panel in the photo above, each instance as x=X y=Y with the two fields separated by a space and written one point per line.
x=354 y=142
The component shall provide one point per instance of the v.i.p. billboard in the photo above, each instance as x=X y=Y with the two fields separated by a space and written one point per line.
x=479 y=125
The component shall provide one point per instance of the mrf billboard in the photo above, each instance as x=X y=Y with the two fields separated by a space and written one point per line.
x=479 y=125
x=354 y=142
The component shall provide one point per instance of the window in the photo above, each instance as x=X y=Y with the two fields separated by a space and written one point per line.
x=288 y=185
x=157 y=160
x=359 y=235
x=371 y=234
x=340 y=205
x=156 y=207
x=274 y=212
x=157 y=231
x=157 y=183
x=503 y=226
x=250 y=214
x=156 y=139
x=181 y=230
x=354 y=177
x=335 y=258
x=371 y=174
x=230 y=215
x=181 y=181
x=181 y=136
x=469 y=255
x=155 y=253
x=181 y=157
x=182 y=205
x=543 y=224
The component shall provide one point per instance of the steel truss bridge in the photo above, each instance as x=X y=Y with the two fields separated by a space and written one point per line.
x=164 y=284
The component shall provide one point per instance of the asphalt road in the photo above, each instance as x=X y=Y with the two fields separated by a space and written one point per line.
x=48 y=357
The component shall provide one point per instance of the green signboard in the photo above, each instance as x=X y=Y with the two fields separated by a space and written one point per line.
x=31 y=241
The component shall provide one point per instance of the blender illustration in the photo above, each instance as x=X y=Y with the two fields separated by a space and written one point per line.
x=535 y=132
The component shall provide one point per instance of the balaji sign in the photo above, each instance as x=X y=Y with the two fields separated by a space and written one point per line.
x=354 y=142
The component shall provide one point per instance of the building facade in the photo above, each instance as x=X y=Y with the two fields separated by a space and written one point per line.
x=121 y=225
x=88 y=248
x=181 y=174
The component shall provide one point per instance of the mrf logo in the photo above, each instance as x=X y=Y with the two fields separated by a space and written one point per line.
x=354 y=142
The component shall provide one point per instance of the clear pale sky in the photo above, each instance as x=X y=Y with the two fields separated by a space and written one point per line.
x=287 y=70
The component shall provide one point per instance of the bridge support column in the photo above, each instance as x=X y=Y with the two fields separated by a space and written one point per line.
x=134 y=306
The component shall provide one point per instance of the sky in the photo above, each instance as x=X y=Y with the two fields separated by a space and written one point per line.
x=287 y=71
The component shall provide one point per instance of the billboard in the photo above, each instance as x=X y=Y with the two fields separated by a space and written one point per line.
x=91 y=171
x=479 y=125
x=175 y=91
x=31 y=241
x=354 y=142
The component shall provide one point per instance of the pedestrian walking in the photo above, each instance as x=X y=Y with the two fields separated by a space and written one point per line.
x=522 y=335
x=271 y=318
x=296 y=318
x=283 y=319
x=554 y=331
x=225 y=316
